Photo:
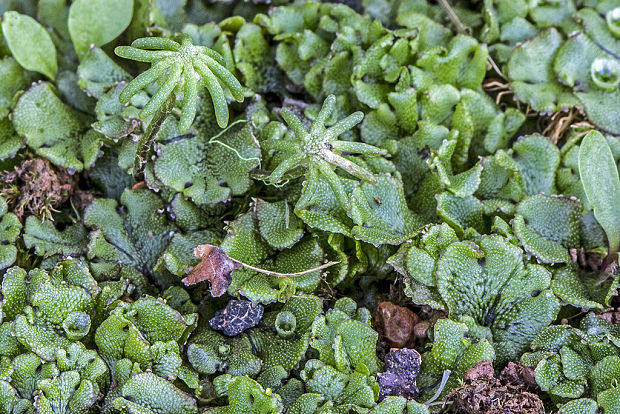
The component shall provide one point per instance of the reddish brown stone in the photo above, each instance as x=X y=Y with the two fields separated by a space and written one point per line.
x=396 y=325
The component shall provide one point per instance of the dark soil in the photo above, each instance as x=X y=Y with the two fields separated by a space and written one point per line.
x=483 y=393
x=36 y=188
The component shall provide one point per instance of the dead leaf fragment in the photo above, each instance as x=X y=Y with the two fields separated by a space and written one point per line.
x=215 y=266
x=519 y=376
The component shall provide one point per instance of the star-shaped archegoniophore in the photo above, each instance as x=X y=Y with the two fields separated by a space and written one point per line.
x=181 y=65
x=319 y=149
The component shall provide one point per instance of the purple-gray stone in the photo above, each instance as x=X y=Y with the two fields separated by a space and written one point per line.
x=236 y=317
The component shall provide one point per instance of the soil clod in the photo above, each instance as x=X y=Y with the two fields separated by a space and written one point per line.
x=236 y=317
x=402 y=368
x=36 y=188
x=483 y=393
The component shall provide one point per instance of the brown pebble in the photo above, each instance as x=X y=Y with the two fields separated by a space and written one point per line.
x=396 y=324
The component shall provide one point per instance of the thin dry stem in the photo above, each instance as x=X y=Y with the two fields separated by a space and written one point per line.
x=462 y=29
x=277 y=274
x=529 y=113
x=492 y=85
x=559 y=124
x=495 y=67
x=500 y=95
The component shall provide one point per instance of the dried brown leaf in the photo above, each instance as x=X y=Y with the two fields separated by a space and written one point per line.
x=215 y=266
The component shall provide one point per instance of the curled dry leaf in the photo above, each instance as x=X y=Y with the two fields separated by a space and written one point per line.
x=215 y=266
x=482 y=371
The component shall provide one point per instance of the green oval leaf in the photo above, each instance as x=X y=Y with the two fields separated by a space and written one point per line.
x=29 y=43
x=97 y=22
x=599 y=176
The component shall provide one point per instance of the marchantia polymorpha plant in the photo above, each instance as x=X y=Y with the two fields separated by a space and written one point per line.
x=456 y=158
